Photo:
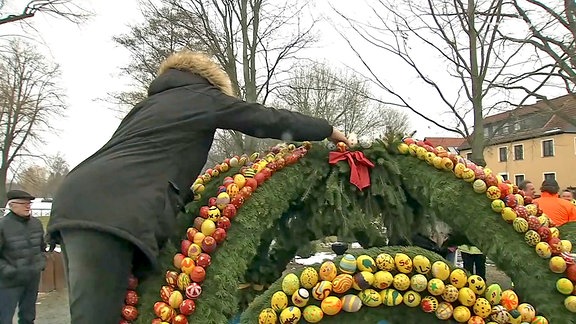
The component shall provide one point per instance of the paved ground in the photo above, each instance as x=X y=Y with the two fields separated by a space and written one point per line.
x=51 y=308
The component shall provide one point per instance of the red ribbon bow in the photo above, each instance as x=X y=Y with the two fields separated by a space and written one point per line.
x=359 y=173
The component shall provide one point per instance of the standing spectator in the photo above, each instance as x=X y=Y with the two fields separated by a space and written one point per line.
x=568 y=195
x=528 y=187
x=557 y=209
x=473 y=259
x=22 y=259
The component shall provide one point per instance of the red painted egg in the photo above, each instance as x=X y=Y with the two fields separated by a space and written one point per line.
x=187 y=307
x=193 y=290
x=131 y=298
x=130 y=313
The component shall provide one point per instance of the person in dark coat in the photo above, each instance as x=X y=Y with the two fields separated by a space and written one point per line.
x=115 y=210
x=22 y=259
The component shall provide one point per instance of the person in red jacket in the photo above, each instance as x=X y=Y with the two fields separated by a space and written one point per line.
x=559 y=211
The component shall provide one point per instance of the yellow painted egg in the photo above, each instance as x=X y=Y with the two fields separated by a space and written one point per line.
x=500 y=314
x=482 y=307
x=391 y=297
x=429 y=304
x=476 y=320
x=520 y=225
x=444 y=311
x=570 y=303
x=328 y=271
x=531 y=209
x=370 y=297
x=421 y=264
x=436 y=287
x=493 y=193
x=385 y=262
x=290 y=284
x=531 y=237
x=366 y=263
x=509 y=299
x=519 y=199
x=493 y=294
x=515 y=317
x=564 y=286
x=412 y=298
x=331 y=305
x=401 y=282
x=466 y=296
x=214 y=213
x=440 y=270
x=544 y=220
x=543 y=250
x=342 y=283
x=458 y=278
x=313 y=314
x=539 y=320
x=565 y=246
x=508 y=215
x=222 y=200
x=461 y=314
x=418 y=282
x=290 y=314
x=403 y=263
x=348 y=264
x=458 y=169
x=383 y=279
x=450 y=293
x=308 y=277
x=322 y=290
x=300 y=297
x=554 y=232
x=477 y=284
x=557 y=264
x=497 y=205
x=479 y=186
x=363 y=280
x=527 y=311
x=279 y=301
x=267 y=316
x=351 y=303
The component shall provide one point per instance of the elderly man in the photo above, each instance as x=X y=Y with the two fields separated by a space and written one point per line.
x=21 y=259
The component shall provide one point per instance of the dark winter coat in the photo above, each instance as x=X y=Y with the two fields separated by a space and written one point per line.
x=131 y=187
x=21 y=249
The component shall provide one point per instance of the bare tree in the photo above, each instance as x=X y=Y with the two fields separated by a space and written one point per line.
x=33 y=180
x=58 y=168
x=463 y=34
x=163 y=32
x=256 y=42
x=59 y=8
x=342 y=98
x=550 y=29
x=29 y=97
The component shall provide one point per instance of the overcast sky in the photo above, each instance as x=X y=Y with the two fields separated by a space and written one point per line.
x=90 y=63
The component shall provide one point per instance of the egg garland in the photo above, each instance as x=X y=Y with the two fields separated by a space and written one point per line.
x=183 y=287
x=129 y=309
x=507 y=200
x=472 y=302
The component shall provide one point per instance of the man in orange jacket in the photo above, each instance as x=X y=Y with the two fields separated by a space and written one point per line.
x=559 y=211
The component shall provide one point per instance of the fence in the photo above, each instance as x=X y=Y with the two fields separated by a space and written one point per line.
x=53 y=276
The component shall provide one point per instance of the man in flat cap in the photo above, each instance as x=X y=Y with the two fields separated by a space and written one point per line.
x=22 y=259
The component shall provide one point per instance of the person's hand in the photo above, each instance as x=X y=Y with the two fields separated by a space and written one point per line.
x=338 y=136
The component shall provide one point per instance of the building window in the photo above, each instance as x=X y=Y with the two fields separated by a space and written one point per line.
x=469 y=156
x=519 y=152
x=548 y=148
x=503 y=152
x=504 y=176
x=550 y=176
x=518 y=178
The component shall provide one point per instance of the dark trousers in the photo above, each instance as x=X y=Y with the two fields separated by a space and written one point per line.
x=97 y=268
x=475 y=263
x=24 y=297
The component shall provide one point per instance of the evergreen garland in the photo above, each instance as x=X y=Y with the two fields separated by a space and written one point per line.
x=313 y=199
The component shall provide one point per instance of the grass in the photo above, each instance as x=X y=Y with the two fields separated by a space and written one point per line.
x=44 y=220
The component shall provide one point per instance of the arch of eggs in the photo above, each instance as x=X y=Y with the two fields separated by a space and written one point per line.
x=387 y=281
x=514 y=207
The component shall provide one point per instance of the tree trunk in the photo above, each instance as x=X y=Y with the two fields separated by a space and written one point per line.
x=478 y=135
x=3 y=178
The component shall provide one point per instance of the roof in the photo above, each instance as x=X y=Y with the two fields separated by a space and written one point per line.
x=544 y=118
x=445 y=141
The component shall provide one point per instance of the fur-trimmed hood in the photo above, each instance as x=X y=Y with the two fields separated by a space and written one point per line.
x=200 y=64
